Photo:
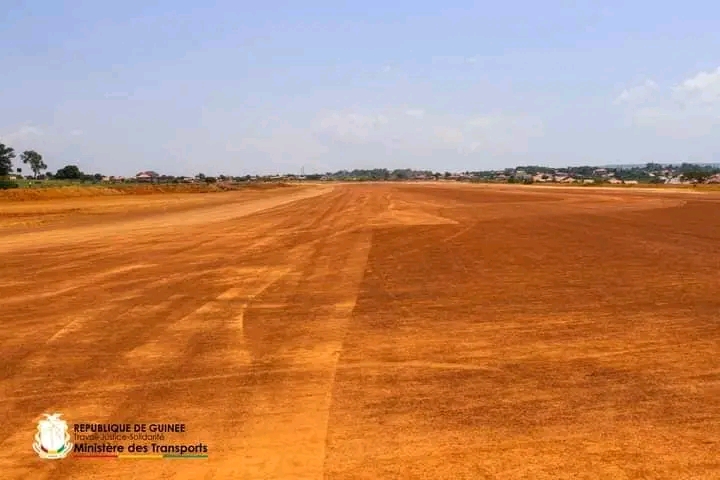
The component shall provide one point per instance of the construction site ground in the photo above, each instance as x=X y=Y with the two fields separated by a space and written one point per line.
x=369 y=331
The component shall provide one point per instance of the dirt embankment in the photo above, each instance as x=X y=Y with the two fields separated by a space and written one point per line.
x=30 y=208
x=49 y=193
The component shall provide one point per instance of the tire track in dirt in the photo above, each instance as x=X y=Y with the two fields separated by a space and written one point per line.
x=303 y=331
x=206 y=339
x=123 y=327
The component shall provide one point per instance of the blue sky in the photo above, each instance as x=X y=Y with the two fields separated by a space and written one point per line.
x=263 y=87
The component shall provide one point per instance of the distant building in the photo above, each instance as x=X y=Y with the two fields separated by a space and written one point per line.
x=148 y=176
x=522 y=175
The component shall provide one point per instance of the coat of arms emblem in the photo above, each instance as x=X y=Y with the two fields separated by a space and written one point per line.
x=52 y=440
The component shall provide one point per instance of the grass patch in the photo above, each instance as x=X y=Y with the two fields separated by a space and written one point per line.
x=8 y=184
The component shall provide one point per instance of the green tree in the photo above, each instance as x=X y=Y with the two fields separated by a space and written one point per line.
x=6 y=157
x=69 y=172
x=35 y=160
x=697 y=175
x=400 y=174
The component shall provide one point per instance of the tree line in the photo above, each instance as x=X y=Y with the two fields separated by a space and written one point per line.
x=647 y=173
x=35 y=161
x=28 y=157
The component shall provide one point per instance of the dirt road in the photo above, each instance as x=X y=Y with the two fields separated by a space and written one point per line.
x=373 y=331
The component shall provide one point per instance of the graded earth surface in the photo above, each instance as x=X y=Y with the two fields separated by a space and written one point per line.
x=369 y=331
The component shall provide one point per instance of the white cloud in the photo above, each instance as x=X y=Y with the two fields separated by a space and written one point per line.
x=703 y=87
x=76 y=133
x=638 y=94
x=390 y=135
x=22 y=133
x=687 y=110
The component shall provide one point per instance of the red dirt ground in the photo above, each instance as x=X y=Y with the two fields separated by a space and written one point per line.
x=372 y=331
x=104 y=190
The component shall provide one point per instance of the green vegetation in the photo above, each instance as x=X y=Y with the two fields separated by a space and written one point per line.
x=7 y=184
x=69 y=172
x=35 y=160
x=650 y=174
x=6 y=156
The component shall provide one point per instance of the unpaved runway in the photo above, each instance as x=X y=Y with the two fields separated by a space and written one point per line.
x=375 y=331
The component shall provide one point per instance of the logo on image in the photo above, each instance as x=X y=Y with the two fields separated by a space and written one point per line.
x=52 y=440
